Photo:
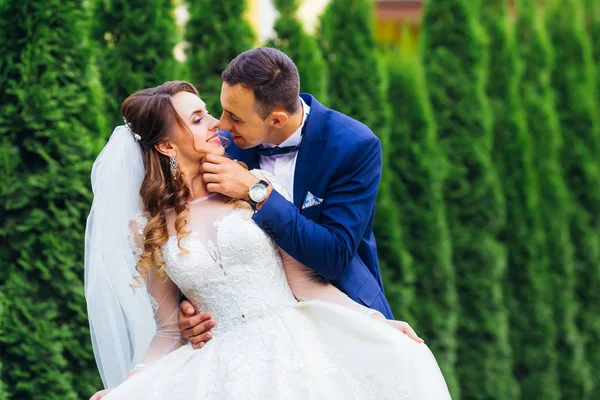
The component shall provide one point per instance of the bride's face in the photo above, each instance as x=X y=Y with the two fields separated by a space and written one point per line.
x=201 y=136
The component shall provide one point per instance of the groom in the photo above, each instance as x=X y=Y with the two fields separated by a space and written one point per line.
x=328 y=162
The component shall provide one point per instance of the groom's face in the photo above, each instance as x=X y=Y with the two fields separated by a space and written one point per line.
x=240 y=117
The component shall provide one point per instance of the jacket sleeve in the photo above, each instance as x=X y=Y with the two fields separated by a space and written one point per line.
x=164 y=297
x=328 y=247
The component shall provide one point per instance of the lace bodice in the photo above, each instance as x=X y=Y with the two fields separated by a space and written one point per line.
x=237 y=278
x=229 y=268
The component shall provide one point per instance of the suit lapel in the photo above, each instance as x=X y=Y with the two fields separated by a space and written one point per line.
x=311 y=149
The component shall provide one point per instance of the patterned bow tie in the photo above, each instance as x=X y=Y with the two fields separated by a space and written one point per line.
x=276 y=151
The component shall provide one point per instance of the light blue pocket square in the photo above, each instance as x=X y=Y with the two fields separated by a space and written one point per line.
x=311 y=200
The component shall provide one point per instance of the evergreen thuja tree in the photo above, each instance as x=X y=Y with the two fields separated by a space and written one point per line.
x=455 y=58
x=3 y=389
x=216 y=32
x=355 y=71
x=592 y=8
x=395 y=261
x=556 y=205
x=528 y=281
x=137 y=39
x=3 y=392
x=574 y=83
x=302 y=48
x=49 y=119
x=419 y=168
x=354 y=68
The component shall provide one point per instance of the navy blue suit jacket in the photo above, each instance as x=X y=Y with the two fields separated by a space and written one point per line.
x=339 y=161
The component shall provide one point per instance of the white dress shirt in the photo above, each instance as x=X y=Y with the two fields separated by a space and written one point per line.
x=283 y=166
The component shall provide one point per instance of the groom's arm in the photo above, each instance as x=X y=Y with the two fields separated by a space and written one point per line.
x=328 y=247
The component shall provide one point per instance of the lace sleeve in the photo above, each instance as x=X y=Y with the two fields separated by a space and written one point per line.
x=164 y=296
x=308 y=285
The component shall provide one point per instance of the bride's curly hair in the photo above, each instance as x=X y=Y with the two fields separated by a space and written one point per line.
x=151 y=115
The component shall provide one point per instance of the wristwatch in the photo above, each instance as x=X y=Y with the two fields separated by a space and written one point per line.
x=257 y=193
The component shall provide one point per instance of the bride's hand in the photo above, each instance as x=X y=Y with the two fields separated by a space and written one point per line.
x=404 y=328
x=101 y=394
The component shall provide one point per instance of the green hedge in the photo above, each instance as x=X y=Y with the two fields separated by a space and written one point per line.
x=419 y=168
x=593 y=22
x=527 y=288
x=3 y=392
x=216 y=33
x=454 y=55
x=355 y=72
x=577 y=109
x=556 y=205
x=49 y=122
x=137 y=40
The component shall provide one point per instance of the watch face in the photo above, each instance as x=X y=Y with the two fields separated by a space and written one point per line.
x=258 y=193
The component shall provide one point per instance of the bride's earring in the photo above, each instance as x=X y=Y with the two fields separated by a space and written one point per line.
x=173 y=162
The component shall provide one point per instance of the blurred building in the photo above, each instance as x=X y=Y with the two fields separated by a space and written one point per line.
x=395 y=19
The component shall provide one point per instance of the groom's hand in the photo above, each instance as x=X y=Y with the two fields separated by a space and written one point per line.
x=227 y=177
x=195 y=328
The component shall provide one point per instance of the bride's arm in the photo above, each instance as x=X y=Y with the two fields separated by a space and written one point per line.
x=164 y=296
x=307 y=285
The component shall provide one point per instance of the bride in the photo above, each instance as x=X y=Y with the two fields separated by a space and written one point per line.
x=154 y=233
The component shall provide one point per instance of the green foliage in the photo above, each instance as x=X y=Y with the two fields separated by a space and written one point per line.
x=395 y=262
x=574 y=83
x=49 y=122
x=302 y=48
x=216 y=32
x=454 y=54
x=527 y=288
x=555 y=206
x=418 y=167
x=137 y=40
x=356 y=73
x=592 y=8
x=356 y=78
x=3 y=392
x=3 y=388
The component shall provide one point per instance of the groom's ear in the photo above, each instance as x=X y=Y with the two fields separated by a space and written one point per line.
x=279 y=118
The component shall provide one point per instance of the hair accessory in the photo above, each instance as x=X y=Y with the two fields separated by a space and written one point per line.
x=136 y=137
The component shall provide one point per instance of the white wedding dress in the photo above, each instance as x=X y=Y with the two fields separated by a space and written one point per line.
x=267 y=344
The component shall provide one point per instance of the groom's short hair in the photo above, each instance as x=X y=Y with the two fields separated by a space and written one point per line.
x=270 y=74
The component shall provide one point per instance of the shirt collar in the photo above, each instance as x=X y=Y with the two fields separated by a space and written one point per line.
x=296 y=138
